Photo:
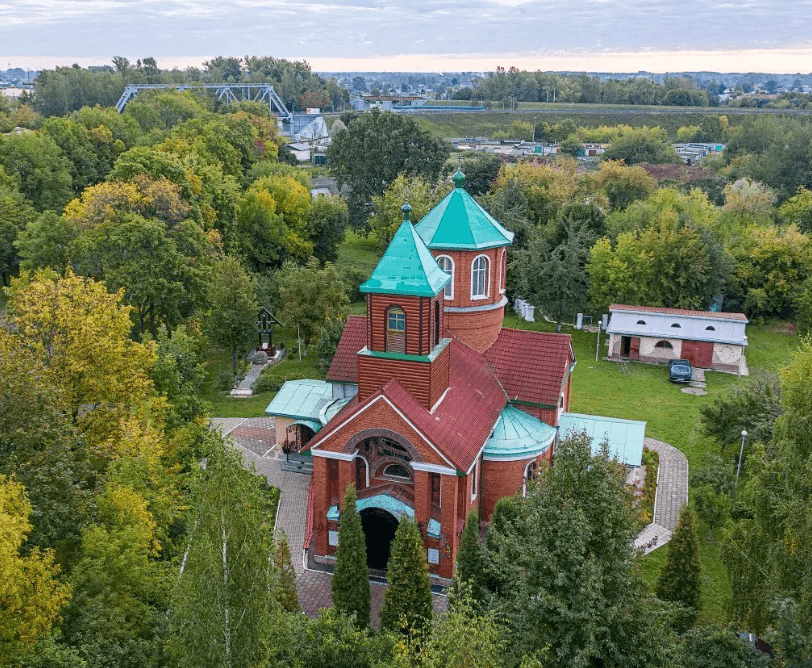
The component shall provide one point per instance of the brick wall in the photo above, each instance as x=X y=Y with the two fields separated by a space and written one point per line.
x=462 y=275
x=425 y=381
x=478 y=329
x=500 y=479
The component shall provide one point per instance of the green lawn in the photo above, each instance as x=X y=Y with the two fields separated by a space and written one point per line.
x=358 y=252
x=224 y=405
x=644 y=393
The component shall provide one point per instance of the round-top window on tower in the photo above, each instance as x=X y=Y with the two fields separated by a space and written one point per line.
x=447 y=265
x=395 y=330
x=480 y=277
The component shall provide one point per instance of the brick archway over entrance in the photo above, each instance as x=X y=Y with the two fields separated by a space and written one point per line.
x=383 y=433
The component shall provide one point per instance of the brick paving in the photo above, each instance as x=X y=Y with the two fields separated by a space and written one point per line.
x=672 y=494
x=252 y=436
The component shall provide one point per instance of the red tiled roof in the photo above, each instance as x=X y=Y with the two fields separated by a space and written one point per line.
x=344 y=367
x=678 y=311
x=463 y=419
x=531 y=366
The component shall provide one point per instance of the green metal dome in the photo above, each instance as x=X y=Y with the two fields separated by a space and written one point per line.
x=518 y=435
x=407 y=267
x=459 y=223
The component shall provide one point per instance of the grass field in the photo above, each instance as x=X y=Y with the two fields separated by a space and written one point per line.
x=485 y=123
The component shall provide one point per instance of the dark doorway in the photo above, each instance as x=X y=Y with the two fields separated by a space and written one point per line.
x=379 y=528
x=625 y=345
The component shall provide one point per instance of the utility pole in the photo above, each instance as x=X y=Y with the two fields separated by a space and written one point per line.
x=741 y=452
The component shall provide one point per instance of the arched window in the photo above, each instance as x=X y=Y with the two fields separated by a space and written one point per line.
x=480 y=277
x=447 y=265
x=641 y=322
x=503 y=271
x=529 y=474
x=677 y=325
x=397 y=471
x=710 y=328
x=395 y=330
x=663 y=344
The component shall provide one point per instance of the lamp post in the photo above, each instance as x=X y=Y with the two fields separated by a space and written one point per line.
x=741 y=452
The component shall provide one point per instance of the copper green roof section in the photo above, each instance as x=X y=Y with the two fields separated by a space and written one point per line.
x=302 y=400
x=459 y=223
x=407 y=267
x=518 y=435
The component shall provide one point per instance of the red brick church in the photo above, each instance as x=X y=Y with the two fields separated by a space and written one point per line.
x=435 y=408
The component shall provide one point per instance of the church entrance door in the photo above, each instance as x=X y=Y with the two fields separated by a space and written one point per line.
x=379 y=528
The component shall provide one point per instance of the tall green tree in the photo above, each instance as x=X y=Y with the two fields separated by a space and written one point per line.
x=680 y=580
x=233 y=307
x=285 y=591
x=350 y=582
x=407 y=600
x=374 y=148
x=766 y=548
x=39 y=167
x=326 y=226
x=470 y=573
x=565 y=570
x=310 y=295
x=15 y=214
x=120 y=588
x=223 y=611
x=555 y=278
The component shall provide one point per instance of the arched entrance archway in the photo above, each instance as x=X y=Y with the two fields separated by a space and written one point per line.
x=379 y=529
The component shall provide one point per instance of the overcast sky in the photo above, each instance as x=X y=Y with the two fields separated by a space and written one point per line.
x=604 y=35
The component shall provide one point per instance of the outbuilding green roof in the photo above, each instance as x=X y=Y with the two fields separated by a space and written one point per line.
x=624 y=437
x=407 y=267
x=517 y=435
x=302 y=400
x=459 y=223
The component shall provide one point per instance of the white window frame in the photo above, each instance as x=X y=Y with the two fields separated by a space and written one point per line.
x=474 y=480
x=524 y=475
x=502 y=271
x=487 y=282
x=449 y=288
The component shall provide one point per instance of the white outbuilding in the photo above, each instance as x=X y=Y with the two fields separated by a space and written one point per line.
x=710 y=340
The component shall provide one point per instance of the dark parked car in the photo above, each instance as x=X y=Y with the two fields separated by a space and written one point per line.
x=680 y=371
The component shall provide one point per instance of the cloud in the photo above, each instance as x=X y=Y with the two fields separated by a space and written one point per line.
x=385 y=28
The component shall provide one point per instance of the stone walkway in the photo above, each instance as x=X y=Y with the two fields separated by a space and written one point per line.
x=672 y=494
x=256 y=439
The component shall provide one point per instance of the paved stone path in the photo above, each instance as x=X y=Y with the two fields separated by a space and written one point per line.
x=256 y=439
x=672 y=494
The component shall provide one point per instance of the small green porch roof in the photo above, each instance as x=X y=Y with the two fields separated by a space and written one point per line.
x=459 y=223
x=407 y=267
x=517 y=435
x=383 y=501
x=301 y=400
x=625 y=437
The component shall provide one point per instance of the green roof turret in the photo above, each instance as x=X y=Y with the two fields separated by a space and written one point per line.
x=406 y=209
x=459 y=223
x=407 y=267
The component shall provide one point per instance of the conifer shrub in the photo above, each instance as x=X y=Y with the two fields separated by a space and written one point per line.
x=350 y=583
x=680 y=580
x=407 y=601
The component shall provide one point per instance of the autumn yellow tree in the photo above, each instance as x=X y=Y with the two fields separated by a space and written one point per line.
x=31 y=596
x=82 y=333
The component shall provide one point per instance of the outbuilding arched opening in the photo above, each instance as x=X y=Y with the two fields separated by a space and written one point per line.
x=379 y=527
